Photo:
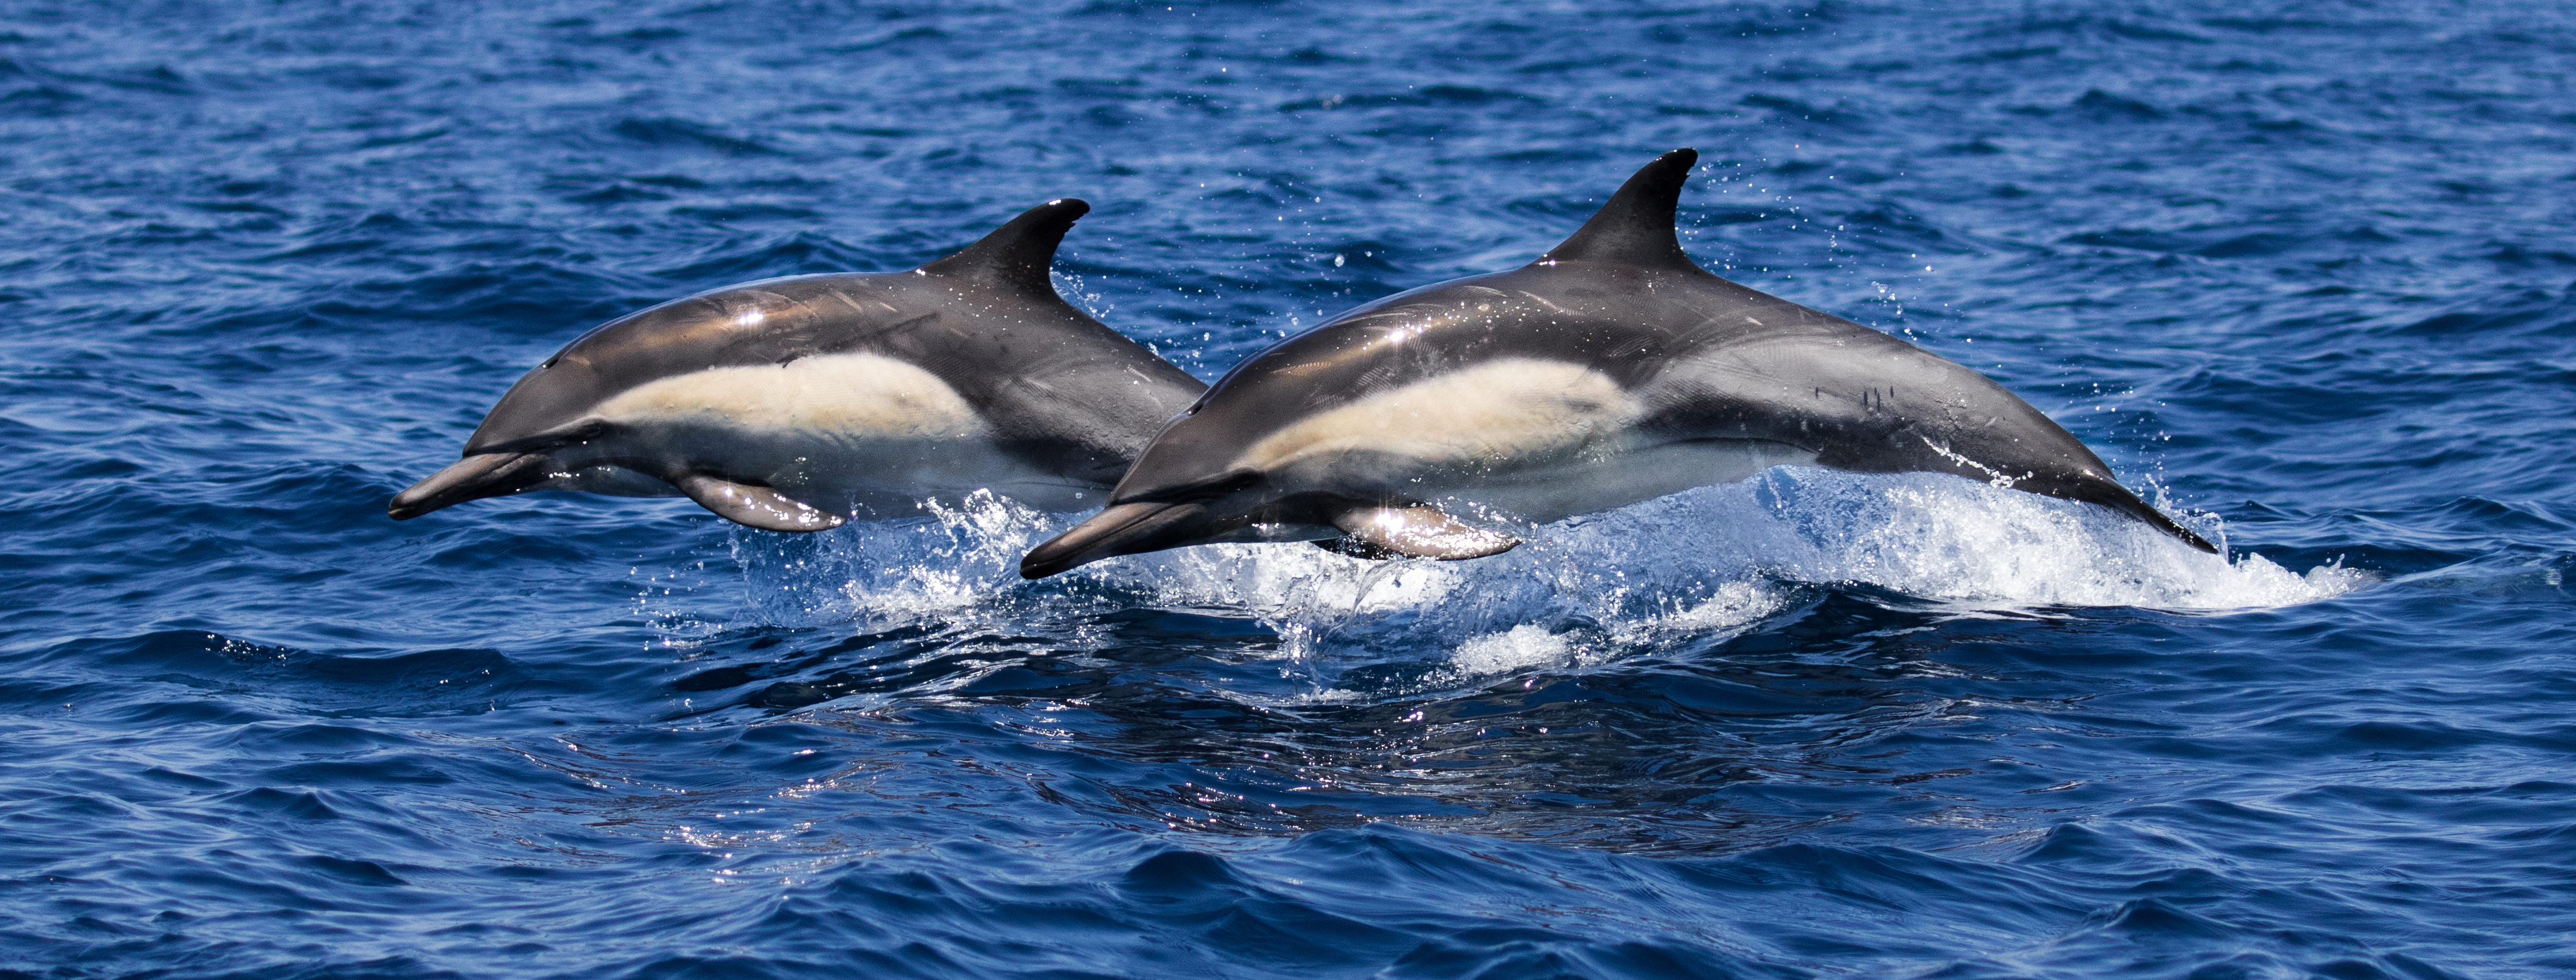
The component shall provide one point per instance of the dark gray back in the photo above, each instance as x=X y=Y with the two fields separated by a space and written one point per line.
x=1060 y=389
x=1708 y=358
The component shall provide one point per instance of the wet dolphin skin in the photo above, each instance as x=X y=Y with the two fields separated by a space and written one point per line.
x=1610 y=370
x=795 y=404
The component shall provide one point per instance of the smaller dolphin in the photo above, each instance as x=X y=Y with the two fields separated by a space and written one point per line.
x=794 y=404
x=1610 y=370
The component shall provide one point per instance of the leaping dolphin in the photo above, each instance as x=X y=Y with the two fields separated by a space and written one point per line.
x=794 y=404
x=1610 y=370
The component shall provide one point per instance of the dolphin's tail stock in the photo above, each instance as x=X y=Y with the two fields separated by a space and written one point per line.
x=1636 y=228
x=2109 y=493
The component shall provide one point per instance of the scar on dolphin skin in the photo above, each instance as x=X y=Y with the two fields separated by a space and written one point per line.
x=1609 y=370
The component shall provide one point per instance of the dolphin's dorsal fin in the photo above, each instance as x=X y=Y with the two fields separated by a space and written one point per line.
x=1017 y=254
x=1636 y=227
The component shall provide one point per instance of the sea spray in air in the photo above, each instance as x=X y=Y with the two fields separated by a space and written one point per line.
x=269 y=263
x=956 y=560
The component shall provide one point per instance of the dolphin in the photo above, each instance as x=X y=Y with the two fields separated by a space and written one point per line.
x=1610 y=370
x=796 y=404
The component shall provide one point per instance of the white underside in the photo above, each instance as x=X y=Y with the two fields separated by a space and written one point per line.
x=830 y=431
x=1534 y=439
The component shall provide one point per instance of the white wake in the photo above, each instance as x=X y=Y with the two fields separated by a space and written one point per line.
x=1702 y=562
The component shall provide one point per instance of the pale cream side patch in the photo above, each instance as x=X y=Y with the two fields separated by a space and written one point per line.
x=1505 y=409
x=856 y=395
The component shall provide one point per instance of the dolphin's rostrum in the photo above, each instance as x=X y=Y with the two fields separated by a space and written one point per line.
x=1610 y=370
x=793 y=404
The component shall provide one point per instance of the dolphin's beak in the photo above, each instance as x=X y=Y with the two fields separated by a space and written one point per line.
x=1124 y=529
x=472 y=478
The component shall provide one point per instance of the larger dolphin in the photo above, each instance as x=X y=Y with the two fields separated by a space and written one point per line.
x=1610 y=370
x=794 y=404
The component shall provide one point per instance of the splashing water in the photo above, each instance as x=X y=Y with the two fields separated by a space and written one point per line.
x=270 y=263
x=1701 y=563
x=958 y=559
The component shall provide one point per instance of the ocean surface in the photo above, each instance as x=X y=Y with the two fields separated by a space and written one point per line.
x=2301 y=272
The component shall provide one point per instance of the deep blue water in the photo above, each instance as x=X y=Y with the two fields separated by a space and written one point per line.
x=2306 y=272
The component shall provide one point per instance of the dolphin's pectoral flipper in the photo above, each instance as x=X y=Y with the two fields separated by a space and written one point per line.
x=806 y=401
x=1612 y=370
x=1414 y=532
x=760 y=507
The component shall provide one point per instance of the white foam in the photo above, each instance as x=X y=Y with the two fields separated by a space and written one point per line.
x=1519 y=648
x=1947 y=538
x=1734 y=606
x=1706 y=561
